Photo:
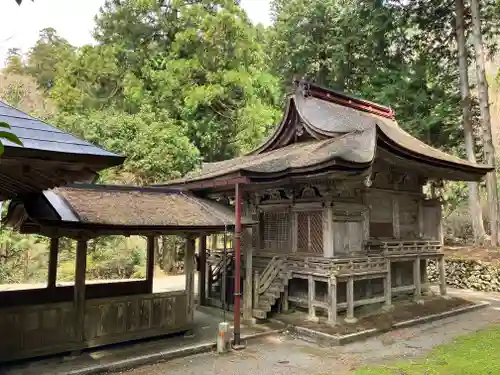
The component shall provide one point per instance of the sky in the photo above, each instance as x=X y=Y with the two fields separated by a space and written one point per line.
x=73 y=20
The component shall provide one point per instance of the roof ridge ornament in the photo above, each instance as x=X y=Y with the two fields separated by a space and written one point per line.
x=303 y=87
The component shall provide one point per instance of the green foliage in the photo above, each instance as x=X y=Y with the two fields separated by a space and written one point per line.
x=22 y=258
x=157 y=148
x=173 y=82
x=44 y=56
x=115 y=257
x=6 y=135
x=474 y=354
x=398 y=54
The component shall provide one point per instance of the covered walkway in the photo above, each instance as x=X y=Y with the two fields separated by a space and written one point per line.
x=58 y=319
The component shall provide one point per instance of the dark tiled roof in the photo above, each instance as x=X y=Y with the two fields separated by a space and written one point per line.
x=38 y=135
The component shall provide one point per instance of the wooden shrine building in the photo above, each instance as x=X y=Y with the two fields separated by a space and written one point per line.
x=59 y=319
x=66 y=318
x=337 y=192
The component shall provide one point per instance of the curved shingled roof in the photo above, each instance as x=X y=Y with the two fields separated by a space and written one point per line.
x=121 y=209
x=342 y=132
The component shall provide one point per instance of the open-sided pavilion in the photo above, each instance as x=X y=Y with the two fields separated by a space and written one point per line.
x=106 y=313
x=59 y=319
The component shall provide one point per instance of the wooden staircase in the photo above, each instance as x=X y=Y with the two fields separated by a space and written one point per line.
x=270 y=287
x=218 y=267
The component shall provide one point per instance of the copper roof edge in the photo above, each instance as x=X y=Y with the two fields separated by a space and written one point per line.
x=321 y=92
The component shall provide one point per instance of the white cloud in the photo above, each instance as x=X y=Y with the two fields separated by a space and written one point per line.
x=258 y=10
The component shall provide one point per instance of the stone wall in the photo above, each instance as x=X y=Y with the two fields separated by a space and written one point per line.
x=468 y=274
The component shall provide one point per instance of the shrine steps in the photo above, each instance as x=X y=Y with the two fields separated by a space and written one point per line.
x=270 y=290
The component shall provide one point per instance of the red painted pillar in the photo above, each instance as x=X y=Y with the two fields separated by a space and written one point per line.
x=237 y=264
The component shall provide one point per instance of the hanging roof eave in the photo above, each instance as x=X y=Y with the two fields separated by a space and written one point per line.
x=125 y=210
x=328 y=115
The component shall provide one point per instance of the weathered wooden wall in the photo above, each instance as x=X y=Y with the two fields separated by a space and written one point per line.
x=335 y=218
x=28 y=331
x=408 y=217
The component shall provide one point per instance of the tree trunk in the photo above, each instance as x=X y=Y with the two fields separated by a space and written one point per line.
x=474 y=202
x=488 y=146
x=169 y=253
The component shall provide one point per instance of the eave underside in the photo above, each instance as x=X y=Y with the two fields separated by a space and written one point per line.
x=26 y=171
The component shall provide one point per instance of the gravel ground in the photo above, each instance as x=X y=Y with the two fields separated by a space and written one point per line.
x=286 y=356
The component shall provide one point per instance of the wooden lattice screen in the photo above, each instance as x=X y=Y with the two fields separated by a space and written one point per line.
x=276 y=228
x=310 y=232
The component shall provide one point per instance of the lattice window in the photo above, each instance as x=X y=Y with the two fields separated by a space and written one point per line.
x=310 y=232
x=276 y=230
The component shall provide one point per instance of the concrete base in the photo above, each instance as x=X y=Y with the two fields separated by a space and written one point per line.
x=388 y=308
x=350 y=320
x=419 y=301
x=319 y=337
x=189 y=334
x=250 y=322
x=239 y=347
x=313 y=319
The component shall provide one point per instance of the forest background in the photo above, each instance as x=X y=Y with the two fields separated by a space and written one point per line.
x=173 y=83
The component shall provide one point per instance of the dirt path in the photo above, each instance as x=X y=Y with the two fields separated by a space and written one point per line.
x=287 y=356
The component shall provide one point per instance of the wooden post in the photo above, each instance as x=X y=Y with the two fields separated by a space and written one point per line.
x=417 y=281
x=237 y=264
x=79 y=289
x=256 y=283
x=311 y=296
x=150 y=261
x=284 y=301
x=332 y=301
x=442 y=276
x=247 y=232
x=350 y=301
x=440 y=224
x=52 y=274
x=247 y=287
x=210 y=278
x=388 y=287
x=395 y=217
x=189 y=271
x=425 y=277
x=202 y=276
x=328 y=231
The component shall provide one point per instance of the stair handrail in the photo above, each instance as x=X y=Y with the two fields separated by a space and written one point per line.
x=217 y=270
x=272 y=270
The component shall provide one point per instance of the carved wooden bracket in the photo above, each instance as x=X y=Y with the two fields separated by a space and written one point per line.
x=299 y=129
x=368 y=181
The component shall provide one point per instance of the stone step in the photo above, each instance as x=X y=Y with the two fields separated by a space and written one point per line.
x=263 y=305
x=271 y=298
x=259 y=314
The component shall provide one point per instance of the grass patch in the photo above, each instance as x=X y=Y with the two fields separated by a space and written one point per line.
x=476 y=354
